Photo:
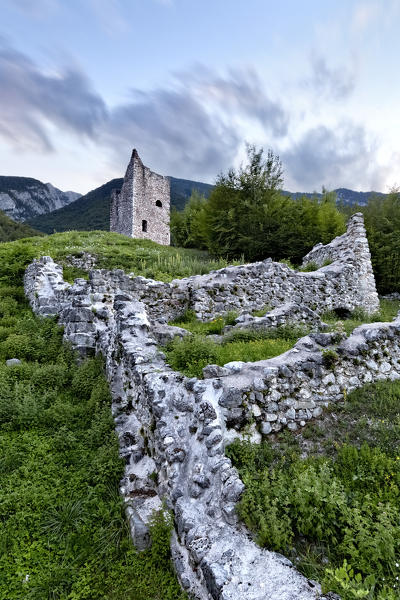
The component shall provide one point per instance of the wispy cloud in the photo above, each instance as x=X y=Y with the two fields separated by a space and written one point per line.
x=30 y=99
x=374 y=14
x=341 y=157
x=365 y=13
x=194 y=127
x=335 y=83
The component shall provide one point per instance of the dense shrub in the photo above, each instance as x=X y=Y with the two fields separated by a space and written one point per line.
x=248 y=215
x=338 y=517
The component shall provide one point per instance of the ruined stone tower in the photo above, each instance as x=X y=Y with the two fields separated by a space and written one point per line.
x=141 y=208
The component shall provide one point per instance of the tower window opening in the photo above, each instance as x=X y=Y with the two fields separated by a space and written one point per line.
x=159 y=203
x=144 y=225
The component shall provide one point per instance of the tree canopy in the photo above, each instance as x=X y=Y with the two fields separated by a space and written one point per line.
x=248 y=215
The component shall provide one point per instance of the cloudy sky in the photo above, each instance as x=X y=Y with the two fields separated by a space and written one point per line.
x=189 y=82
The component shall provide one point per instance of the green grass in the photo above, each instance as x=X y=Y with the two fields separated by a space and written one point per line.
x=63 y=532
x=329 y=497
x=192 y=353
x=387 y=312
x=114 y=251
x=189 y=321
x=262 y=311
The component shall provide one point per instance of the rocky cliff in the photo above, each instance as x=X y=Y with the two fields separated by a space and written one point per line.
x=23 y=198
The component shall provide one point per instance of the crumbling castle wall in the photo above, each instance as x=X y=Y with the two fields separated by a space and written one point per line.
x=348 y=282
x=179 y=426
x=141 y=208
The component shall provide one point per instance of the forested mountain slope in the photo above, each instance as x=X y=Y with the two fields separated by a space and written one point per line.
x=92 y=211
x=11 y=230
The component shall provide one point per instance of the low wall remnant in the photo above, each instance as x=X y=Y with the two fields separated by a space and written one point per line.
x=178 y=427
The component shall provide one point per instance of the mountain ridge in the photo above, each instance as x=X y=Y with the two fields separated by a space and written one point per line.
x=48 y=209
x=23 y=198
x=92 y=211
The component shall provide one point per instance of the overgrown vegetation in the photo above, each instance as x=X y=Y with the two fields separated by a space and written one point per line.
x=63 y=533
x=114 y=251
x=192 y=353
x=335 y=512
x=387 y=312
x=247 y=214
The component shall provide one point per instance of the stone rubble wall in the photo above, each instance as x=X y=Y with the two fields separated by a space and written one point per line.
x=345 y=283
x=348 y=282
x=286 y=314
x=295 y=387
x=178 y=427
x=351 y=247
x=173 y=426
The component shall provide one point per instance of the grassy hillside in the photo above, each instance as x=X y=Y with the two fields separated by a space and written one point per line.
x=92 y=211
x=11 y=230
x=113 y=251
x=326 y=496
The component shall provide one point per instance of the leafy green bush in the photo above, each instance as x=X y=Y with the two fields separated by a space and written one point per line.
x=191 y=354
x=347 y=507
x=51 y=377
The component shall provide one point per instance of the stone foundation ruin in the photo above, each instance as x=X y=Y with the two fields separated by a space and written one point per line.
x=178 y=426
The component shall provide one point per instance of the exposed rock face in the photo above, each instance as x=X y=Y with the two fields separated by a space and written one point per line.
x=141 y=208
x=23 y=198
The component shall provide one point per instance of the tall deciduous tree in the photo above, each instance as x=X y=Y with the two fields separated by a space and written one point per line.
x=247 y=214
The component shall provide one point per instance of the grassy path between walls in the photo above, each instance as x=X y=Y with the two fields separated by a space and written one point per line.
x=63 y=534
x=206 y=345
